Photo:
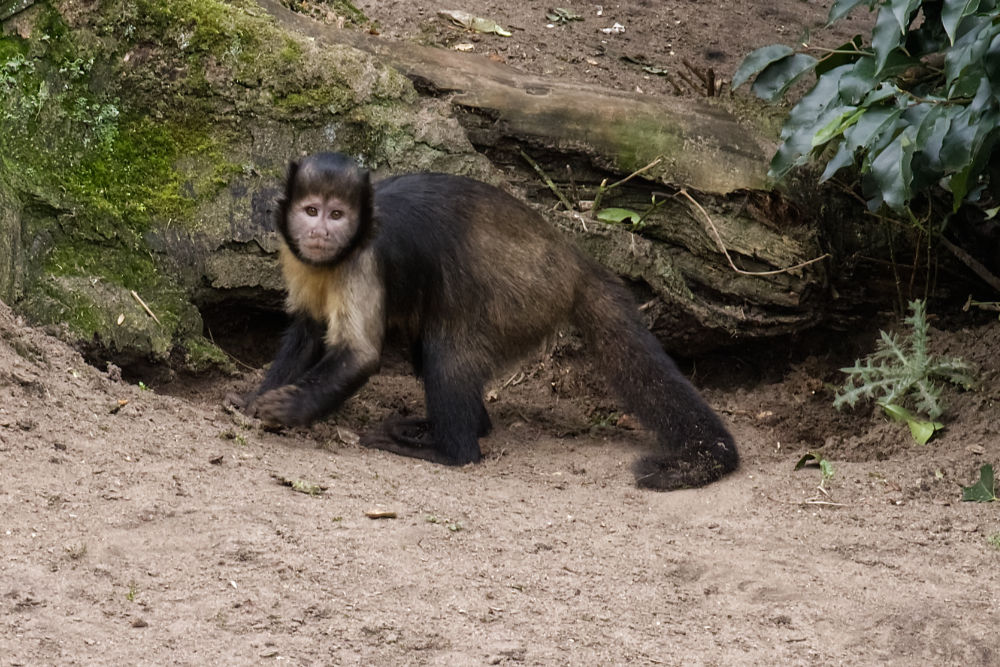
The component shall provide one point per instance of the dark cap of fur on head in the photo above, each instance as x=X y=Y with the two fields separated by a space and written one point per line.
x=323 y=173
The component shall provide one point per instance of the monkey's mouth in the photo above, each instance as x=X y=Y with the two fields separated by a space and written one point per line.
x=317 y=249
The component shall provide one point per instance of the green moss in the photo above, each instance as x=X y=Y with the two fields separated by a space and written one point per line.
x=211 y=26
x=10 y=48
x=201 y=355
x=134 y=270
x=111 y=316
x=347 y=9
x=134 y=121
x=291 y=52
x=310 y=101
x=341 y=8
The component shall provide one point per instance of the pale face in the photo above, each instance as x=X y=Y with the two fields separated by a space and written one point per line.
x=321 y=227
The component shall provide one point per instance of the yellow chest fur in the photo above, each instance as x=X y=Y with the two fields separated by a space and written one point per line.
x=310 y=288
x=347 y=298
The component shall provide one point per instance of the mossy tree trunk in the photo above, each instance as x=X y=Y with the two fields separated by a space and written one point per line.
x=142 y=143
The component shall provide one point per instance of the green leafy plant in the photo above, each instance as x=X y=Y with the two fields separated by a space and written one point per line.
x=917 y=108
x=983 y=491
x=903 y=371
x=824 y=464
x=922 y=430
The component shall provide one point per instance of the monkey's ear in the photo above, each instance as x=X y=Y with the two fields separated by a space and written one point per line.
x=293 y=170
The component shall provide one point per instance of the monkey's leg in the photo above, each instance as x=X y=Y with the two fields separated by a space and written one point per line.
x=456 y=417
x=454 y=391
x=334 y=378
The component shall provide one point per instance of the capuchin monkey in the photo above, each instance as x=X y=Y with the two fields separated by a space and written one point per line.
x=473 y=279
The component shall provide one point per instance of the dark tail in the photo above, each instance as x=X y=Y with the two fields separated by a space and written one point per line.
x=695 y=447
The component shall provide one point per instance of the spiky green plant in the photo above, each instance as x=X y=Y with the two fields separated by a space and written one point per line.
x=902 y=371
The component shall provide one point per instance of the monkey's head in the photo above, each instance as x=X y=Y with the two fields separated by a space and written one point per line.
x=326 y=211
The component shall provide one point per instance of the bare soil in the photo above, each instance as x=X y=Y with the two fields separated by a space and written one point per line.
x=151 y=526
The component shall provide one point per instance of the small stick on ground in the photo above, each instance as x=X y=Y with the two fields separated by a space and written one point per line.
x=975 y=265
x=604 y=187
x=686 y=79
x=677 y=89
x=548 y=181
x=693 y=70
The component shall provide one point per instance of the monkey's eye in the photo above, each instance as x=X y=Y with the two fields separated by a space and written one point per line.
x=312 y=211
x=336 y=214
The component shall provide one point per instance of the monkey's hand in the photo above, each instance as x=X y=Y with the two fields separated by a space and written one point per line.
x=283 y=406
x=240 y=402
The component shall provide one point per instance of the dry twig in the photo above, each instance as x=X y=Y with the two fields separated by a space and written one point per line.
x=714 y=233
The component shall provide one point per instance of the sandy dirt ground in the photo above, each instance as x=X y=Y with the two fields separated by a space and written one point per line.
x=148 y=525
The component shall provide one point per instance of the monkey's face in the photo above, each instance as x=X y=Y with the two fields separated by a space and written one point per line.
x=320 y=227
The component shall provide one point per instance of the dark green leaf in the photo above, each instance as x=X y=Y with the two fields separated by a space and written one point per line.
x=757 y=60
x=886 y=36
x=967 y=54
x=775 y=79
x=985 y=96
x=902 y=10
x=991 y=63
x=890 y=170
x=885 y=90
x=962 y=182
x=914 y=113
x=956 y=150
x=842 y=158
x=858 y=81
x=953 y=12
x=842 y=8
x=816 y=108
x=936 y=141
x=930 y=135
x=847 y=117
x=870 y=126
x=983 y=491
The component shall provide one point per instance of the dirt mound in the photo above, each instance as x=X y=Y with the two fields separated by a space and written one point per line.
x=142 y=527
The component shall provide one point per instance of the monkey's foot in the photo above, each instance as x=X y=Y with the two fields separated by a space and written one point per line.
x=406 y=436
x=697 y=468
x=413 y=431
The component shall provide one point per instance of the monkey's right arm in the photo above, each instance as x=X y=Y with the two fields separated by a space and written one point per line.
x=301 y=348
